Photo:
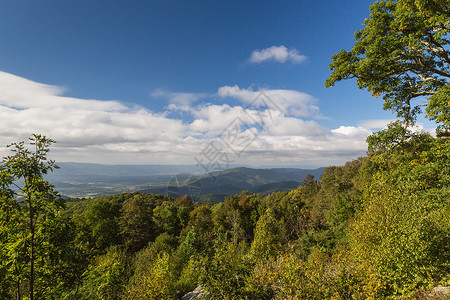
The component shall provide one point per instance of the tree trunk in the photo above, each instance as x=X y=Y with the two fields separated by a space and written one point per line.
x=18 y=297
x=31 y=256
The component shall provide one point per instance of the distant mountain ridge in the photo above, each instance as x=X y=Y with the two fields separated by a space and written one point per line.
x=94 y=180
x=233 y=181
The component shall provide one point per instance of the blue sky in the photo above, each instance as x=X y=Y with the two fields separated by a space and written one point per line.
x=158 y=82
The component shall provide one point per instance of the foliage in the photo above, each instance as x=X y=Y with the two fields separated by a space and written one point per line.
x=226 y=272
x=136 y=223
x=29 y=209
x=99 y=225
x=190 y=276
x=240 y=214
x=193 y=246
x=105 y=279
x=201 y=220
x=267 y=242
x=398 y=237
x=319 y=276
x=166 y=218
x=154 y=283
x=439 y=106
x=401 y=53
x=400 y=231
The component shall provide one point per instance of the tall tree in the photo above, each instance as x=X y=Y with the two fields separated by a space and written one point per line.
x=28 y=204
x=136 y=223
x=403 y=54
x=268 y=239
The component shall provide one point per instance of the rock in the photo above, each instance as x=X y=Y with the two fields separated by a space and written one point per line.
x=440 y=292
x=198 y=293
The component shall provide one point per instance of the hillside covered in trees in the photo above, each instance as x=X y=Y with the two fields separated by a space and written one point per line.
x=376 y=227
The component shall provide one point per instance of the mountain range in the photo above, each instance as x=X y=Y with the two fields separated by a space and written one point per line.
x=94 y=180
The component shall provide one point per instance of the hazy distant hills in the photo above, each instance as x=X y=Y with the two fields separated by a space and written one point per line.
x=93 y=180
x=217 y=185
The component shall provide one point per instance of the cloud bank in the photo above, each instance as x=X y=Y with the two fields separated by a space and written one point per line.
x=283 y=129
x=279 y=54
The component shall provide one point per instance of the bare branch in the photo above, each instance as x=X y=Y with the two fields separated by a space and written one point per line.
x=438 y=49
x=423 y=93
x=425 y=79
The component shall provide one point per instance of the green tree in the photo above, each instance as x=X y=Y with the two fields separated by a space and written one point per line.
x=227 y=271
x=201 y=220
x=136 y=223
x=185 y=206
x=98 y=225
x=166 y=218
x=29 y=206
x=105 y=278
x=268 y=239
x=191 y=251
x=240 y=215
x=403 y=54
x=154 y=282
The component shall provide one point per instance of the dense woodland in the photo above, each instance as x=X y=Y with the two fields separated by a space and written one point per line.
x=377 y=227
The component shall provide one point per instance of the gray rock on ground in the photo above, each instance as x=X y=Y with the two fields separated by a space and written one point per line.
x=198 y=293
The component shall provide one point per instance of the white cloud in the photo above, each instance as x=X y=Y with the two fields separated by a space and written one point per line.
x=291 y=102
x=178 y=100
x=211 y=120
x=20 y=93
x=351 y=131
x=288 y=126
x=113 y=132
x=276 y=53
